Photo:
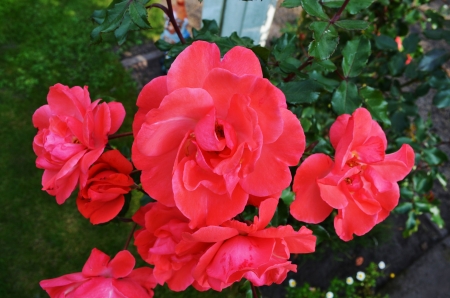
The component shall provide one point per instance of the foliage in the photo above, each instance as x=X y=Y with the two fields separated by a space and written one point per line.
x=384 y=68
x=352 y=287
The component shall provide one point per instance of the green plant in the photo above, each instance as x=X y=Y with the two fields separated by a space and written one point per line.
x=362 y=285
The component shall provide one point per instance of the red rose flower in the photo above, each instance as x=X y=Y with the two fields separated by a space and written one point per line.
x=102 y=198
x=248 y=251
x=217 y=256
x=212 y=132
x=158 y=241
x=361 y=183
x=101 y=277
x=72 y=133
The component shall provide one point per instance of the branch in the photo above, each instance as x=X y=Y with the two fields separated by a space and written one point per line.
x=119 y=135
x=129 y=237
x=169 y=12
x=333 y=20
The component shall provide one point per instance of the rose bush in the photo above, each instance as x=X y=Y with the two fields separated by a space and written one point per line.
x=212 y=132
x=102 y=198
x=102 y=277
x=361 y=182
x=72 y=134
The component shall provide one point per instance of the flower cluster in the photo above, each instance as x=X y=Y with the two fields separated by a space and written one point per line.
x=211 y=138
x=361 y=183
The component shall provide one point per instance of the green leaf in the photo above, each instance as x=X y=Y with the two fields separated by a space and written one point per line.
x=313 y=7
x=442 y=180
x=138 y=14
x=411 y=225
x=327 y=84
x=287 y=196
x=422 y=182
x=437 y=34
x=356 y=52
x=434 y=59
x=320 y=232
x=120 y=19
x=291 y=3
x=352 y=24
x=345 y=99
x=306 y=124
x=411 y=221
x=376 y=104
x=325 y=65
x=261 y=52
x=436 y=217
x=384 y=42
x=333 y=3
x=403 y=208
x=99 y=16
x=442 y=99
x=410 y=43
x=353 y=7
x=396 y=64
x=434 y=156
x=306 y=91
x=125 y=26
x=325 y=41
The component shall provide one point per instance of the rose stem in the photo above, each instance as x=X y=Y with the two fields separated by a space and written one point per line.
x=254 y=292
x=308 y=61
x=169 y=12
x=129 y=237
x=119 y=135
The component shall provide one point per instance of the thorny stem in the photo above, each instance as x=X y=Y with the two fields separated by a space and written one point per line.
x=134 y=172
x=129 y=237
x=119 y=135
x=310 y=59
x=409 y=83
x=169 y=12
x=337 y=16
x=254 y=292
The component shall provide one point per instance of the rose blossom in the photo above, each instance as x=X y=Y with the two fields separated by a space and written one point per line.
x=183 y=256
x=254 y=252
x=157 y=244
x=101 y=277
x=102 y=198
x=361 y=182
x=72 y=133
x=212 y=132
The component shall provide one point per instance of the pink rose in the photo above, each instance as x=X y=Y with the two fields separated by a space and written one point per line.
x=361 y=183
x=248 y=251
x=72 y=133
x=217 y=256
x=101 y=277
x=102 y=198
x=157 y=243
x=212 y=132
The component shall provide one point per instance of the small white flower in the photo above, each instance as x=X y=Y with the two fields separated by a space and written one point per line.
x=292 y=283
x=329 y=295
x=360 y=275
x=381 y=265
x=349 y=280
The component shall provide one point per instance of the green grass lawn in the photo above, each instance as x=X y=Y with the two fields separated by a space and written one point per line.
x=44 y=42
